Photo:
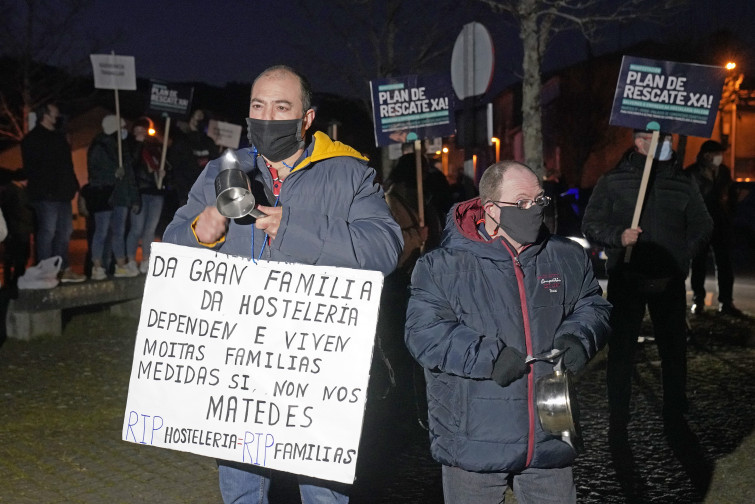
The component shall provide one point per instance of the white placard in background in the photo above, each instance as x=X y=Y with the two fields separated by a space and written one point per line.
x=224 y=133
x=113 y=72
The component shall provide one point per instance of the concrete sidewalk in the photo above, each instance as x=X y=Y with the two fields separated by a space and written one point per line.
x=63 y=402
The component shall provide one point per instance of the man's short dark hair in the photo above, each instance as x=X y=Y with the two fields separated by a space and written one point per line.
x=306 y=88
x=490 y=182
x=42 y=109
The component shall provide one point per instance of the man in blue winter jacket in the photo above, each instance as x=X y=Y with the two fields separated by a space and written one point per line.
x=500 y=288
x=322 y=207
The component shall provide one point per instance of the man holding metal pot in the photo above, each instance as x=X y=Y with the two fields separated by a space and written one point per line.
x=487 y=307
x=321 y=206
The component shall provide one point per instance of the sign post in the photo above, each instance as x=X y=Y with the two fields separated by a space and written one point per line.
x=168 y=99
x=471 y=75
x=114 y=72
x=411 y=108
x=665 y=96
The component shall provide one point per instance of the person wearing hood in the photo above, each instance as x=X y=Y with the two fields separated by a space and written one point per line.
x=322 y=206
x=673 y=227
x=112 y=193
x=717 y=188
x=500 y=288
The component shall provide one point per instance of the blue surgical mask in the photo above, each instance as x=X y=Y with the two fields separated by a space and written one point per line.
x=666 y=151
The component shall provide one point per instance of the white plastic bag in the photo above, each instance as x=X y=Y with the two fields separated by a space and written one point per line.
x=42 y=276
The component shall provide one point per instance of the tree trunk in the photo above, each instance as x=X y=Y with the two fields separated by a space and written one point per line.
x=532 y=128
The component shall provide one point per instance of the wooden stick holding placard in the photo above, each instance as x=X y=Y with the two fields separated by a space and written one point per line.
x=118 y=122
x=643 y=188
x=420 y=191
x=160 y=175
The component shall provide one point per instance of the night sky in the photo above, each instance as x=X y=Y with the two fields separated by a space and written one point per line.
x=224 y=41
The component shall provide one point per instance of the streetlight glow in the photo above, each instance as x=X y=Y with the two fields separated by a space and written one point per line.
x=497 y=143
x=731 y=65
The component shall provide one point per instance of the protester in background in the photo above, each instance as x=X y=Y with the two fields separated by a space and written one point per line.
x=647 y=267
x=149 y=182
x=402 y=183
x=330 y=213
x=112 y=192
x=20 y=218
x=52 y=186
x=461 y=185
x=717 y=188
x=499 y=288
x=189 y=153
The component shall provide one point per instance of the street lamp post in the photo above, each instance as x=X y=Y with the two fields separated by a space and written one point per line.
x=731 y=90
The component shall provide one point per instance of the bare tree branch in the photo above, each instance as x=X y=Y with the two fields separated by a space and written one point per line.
x=540 y=20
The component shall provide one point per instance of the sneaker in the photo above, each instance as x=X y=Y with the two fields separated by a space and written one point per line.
x=132 y=266
x=144 y=266
x=125 y=272
x=98 y=273
x=68 y=275
x=698 y=309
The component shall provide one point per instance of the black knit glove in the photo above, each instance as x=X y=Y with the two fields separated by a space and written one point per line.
x=575 y=357
x=509 y=366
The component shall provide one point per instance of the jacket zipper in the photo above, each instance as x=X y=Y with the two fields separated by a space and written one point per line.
x=528 y=342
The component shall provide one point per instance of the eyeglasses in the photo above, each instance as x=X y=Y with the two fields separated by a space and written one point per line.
x=524 y=204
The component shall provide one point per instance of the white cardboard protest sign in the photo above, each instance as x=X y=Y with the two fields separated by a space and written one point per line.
x=224 y=133
x=264 y=363
x=113 y=72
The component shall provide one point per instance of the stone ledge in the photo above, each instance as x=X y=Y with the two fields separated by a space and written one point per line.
x=74 y=295
x=38 y=312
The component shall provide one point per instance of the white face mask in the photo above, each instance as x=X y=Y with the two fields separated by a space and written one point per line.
x=717 y=160
x=666 y=151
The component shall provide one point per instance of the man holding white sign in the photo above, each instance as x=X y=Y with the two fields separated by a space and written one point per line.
x=321 y=206
x=674 y=226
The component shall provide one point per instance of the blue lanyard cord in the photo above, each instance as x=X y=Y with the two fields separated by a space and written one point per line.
x=264 y=242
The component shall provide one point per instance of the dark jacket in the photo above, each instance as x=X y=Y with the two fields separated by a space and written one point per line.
x=146 y=164
x=102 y=163
x=718 y=191
x=188 y=155
x=17 y=210
x=675 y=224
x=334 y=214
x=470 y=299
x=48 y=164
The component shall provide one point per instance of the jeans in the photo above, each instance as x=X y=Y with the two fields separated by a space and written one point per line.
x=251 y=485
x=143 y=225
x=115 y=220
x=54 y=228
x=531 y=486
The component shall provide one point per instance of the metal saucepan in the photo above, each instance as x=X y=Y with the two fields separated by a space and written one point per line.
x=234 y=198
x=557 y=407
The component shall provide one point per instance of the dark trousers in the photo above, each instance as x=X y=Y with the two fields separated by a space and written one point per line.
x=17 y=249
x=668 y=313
x=720 y=243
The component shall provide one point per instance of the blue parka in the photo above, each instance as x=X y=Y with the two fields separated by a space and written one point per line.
x=334 y=214
x=470 y=298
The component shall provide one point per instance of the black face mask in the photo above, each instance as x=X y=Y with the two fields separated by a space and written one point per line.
x=523 y=226
x=275 y=140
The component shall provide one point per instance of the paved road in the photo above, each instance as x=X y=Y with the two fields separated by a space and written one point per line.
x=63 y=402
